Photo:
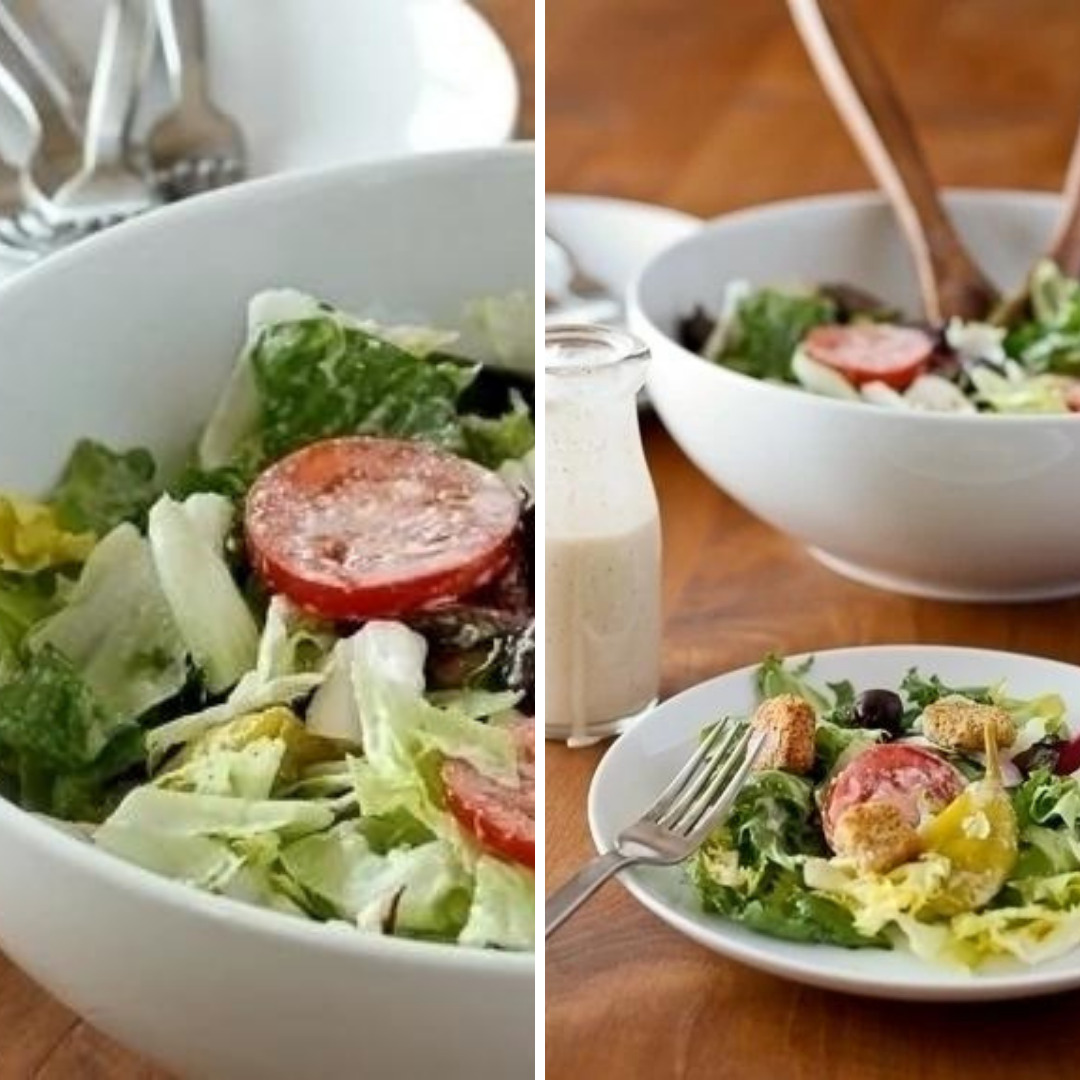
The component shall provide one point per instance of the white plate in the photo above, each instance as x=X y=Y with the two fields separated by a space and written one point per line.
x=315 y=83
x=638 y=766
x=613 y=239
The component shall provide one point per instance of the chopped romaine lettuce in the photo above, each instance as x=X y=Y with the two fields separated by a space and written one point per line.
x=60 y=749
x=180 y=813
x=414 y=891
x=187 y=541
x=502 y=914
x=1049 y=341
x=101 y=488
x=761 y=337
x=117 y=630
x=508 y=325
x=492 y=442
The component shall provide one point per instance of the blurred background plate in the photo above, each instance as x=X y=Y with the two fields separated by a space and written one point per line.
x=326 y=82
x=612 y=239
x=316 y=83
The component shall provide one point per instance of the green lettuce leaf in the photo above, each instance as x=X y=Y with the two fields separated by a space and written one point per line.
x=100 y=488
x=493 y=441
x=767 y=325
x=25 y=601
x=61 y=749
x=776 y=676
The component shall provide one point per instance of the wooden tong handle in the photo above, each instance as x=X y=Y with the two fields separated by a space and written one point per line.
x=1065 y=246
x=950 y=282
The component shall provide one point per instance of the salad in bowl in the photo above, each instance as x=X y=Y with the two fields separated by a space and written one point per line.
x=845 y=343
x=297 y=672
x=944 y=820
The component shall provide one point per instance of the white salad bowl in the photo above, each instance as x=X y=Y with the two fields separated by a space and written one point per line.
x=641 y=763
x=128 y=338
x=962 y=507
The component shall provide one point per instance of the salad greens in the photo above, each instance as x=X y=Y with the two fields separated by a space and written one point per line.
x=772 y=865
x=1025 y=358
x=154 y=695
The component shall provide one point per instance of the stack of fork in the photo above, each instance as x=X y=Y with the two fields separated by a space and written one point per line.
x=80 y=170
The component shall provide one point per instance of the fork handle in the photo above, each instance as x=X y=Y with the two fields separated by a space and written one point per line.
x=566 y=899
x=181 y=24
x=118 y=76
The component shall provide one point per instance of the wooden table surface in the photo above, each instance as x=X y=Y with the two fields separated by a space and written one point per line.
x=706 y=107
x=41 y=1039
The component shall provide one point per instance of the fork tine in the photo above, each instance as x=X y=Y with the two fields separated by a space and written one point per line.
x=665 y=798
x=698 y=822
x=694 y=786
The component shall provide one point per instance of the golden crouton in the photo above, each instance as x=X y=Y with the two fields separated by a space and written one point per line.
x=789 y=723
x=958 y=723
x=877 y=836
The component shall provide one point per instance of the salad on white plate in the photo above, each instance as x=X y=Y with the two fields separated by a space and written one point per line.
x=877 y=849
x=299 y=673
x=941 y=819
x=843 y=343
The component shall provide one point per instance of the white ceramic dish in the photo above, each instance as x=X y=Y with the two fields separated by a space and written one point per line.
x=318 y=83
x=642 y=761
x=952 y=507
x=127 y=338
x=612 y=239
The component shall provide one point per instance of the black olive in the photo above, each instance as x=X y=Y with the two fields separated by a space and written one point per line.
x=1041 y=755
x=880 y=709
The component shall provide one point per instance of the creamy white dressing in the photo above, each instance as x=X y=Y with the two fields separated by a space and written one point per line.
x=602 y=540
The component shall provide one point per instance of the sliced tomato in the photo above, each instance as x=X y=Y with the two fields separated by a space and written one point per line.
x=918 y=782
x=871 y=352
x=502 y=818
x=359 y=528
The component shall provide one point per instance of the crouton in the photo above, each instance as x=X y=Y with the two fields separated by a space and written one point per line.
x=877 y=836
x=957 y=723
x=789 y=723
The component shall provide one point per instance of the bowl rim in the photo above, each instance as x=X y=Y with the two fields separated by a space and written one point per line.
x=269 y=189
x=855 y=200
x=186 y=900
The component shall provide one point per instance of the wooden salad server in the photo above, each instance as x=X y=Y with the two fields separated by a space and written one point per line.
x=950 y=281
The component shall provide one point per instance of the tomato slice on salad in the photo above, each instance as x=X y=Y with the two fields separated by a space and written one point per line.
x=871 y=352
x=358 y=528
x=502 y=818
x=916 y=781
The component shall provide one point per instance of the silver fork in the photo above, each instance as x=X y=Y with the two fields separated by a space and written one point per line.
x=194 y=147
x=677 y=823
x=107 y=186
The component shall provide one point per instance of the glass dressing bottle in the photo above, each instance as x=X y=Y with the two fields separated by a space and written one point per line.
x=601 y=537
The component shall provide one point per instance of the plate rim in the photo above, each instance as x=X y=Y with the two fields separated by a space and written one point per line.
x=937 y=984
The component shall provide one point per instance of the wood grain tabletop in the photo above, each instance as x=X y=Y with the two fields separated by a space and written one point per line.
x=39 y=1038
x=707 y=107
